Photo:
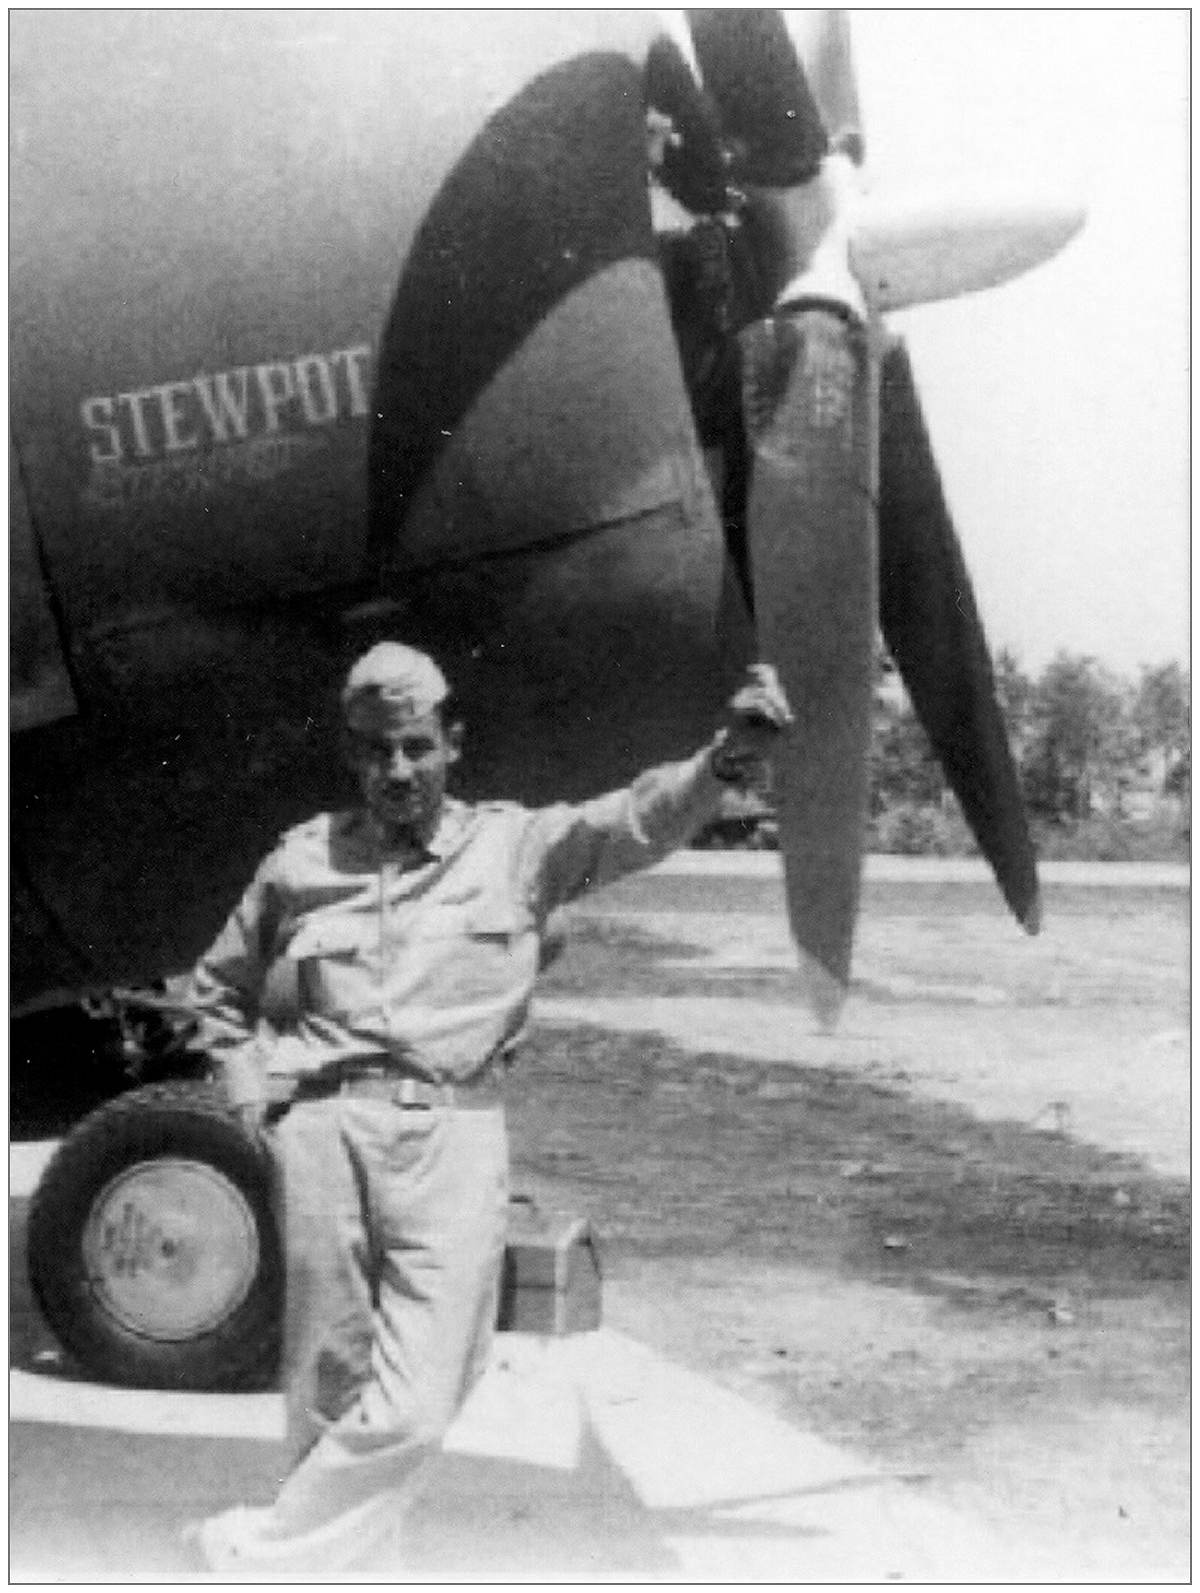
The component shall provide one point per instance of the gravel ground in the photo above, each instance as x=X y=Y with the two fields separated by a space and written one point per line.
x=954 y=1236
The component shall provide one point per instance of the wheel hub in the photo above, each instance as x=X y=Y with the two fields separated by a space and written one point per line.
x=171 y=1248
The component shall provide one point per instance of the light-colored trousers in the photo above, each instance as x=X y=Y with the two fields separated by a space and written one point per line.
x=394 y=1222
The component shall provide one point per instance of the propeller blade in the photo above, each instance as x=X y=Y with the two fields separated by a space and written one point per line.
x=932 y=626
x=914 y=248
x=822 y=40
x=810 y=420
x=770 y=121
x=693 y=160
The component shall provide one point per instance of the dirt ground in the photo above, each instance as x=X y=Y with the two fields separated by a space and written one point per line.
x=909 y=1256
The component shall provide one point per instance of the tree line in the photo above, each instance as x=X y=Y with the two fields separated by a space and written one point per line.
x=1104 y=761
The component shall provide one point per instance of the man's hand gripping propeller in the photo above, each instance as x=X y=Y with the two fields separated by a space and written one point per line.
x=757 y=715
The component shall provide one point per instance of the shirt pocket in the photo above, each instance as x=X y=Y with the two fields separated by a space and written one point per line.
x=335 y=961
x=478 y=919
x=473 y=953
x=327 y=937
x=498 y=923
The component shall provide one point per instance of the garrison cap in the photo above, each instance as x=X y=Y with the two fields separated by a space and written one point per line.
x=392 y=682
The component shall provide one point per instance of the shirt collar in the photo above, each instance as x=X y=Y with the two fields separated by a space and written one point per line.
x=363 y=828
x=450 y=825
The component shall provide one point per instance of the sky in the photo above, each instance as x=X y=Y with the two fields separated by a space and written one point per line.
x=1058 y=404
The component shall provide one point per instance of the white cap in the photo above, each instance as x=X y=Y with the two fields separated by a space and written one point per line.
x=393 y=681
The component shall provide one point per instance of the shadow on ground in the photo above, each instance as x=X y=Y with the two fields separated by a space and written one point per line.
x=674 y=1151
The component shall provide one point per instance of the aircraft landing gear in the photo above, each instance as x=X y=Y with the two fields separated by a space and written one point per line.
x=153 y=1249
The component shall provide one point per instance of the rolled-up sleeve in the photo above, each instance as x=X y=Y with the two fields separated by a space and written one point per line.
x=572 y=848
x=226 y=986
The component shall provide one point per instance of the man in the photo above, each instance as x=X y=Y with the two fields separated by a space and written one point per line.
x=413 y=922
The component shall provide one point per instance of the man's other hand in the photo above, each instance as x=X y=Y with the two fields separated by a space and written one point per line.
x=757 y=715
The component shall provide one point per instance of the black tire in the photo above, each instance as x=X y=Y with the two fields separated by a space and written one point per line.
x=153 y=1249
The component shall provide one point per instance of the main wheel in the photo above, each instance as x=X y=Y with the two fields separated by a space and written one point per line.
x=153 y=1249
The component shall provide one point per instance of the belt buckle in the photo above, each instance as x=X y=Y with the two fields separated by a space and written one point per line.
x=417 y=1092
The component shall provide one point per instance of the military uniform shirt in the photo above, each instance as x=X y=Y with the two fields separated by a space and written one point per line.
x=428 y=959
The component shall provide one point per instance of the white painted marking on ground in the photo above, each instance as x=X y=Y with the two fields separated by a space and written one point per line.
x=683 y=1441
x=67 y=1403
x=933 y=870
x=26 y=1164
x=905 y=986
x=526 y=1412
x=736 y=1493
x=527 y=1408
x=758 y=1499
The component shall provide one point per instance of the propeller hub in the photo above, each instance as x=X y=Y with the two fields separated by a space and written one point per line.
x=813 y=226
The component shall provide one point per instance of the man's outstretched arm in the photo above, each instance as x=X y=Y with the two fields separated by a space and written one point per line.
x=574 y=848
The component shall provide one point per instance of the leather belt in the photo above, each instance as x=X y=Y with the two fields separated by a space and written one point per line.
x=382 y=1083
